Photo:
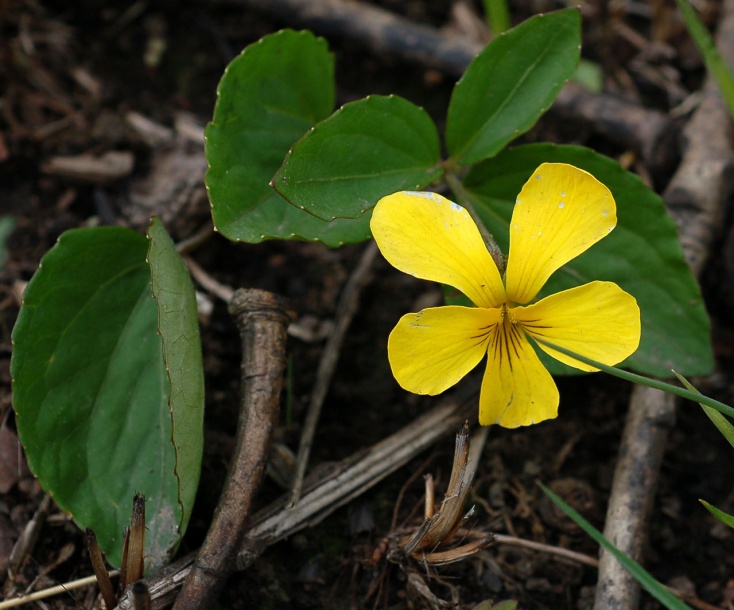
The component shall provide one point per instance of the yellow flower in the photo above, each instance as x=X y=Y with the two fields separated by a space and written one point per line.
x=561 y=211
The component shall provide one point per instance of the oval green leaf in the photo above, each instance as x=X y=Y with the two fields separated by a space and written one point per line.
x=364 y=151
x=90 y=389
x=269 y=96
x=178 y=325
x=642 y=254
x=510 y=84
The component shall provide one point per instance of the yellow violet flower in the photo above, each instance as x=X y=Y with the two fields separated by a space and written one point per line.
x=560 y=212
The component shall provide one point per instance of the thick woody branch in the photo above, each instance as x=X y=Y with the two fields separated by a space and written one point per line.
x=262 y=319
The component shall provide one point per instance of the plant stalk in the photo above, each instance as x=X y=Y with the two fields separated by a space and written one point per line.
x=262 y=319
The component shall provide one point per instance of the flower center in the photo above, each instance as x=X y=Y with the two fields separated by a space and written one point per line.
x=507 y=315
x=506 y=340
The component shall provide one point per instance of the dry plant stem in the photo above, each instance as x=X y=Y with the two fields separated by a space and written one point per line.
x=195 y=241
x=163 y=586
x=123 y=560
x=430 y=504
x=696 y=198
x=440 y=526
x=462 y=197
x=327 y=491
x=207 y=282
x=345 y=311
x=141 y=596
x=100 y=571
x=26 y=542
x=135 y=543
x=547 y=548
x=647 y=131
x=478 y=442
x=353 y=476
x=30 y=598
x=262 y=319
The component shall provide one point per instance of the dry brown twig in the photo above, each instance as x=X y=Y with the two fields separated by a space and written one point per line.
x=25 y=544
x=262 y=319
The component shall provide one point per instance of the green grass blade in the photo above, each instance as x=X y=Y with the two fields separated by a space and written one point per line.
x=715 y=63
x=647 y=580
x=723 y=424
x=719 y=514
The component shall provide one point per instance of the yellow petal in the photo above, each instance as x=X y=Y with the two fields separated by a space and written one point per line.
x=432 y=238
x=598 y=320
x=431 y=350
x=517 y=390
x=560 y=212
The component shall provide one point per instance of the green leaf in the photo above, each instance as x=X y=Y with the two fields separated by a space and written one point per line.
x=725 y=518
x=647 y=580
x=590 y=76
x=90 y=389
x=642 y=254
x=269 y=96
x=178 y=325
x=717 y=418
x=367 y=149
x=510 y=84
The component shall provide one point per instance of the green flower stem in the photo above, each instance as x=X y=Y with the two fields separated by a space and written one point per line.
x=651 y=383
x=498 y=16
x=463 y=198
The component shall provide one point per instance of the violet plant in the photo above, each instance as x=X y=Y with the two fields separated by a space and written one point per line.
x=108 y=384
